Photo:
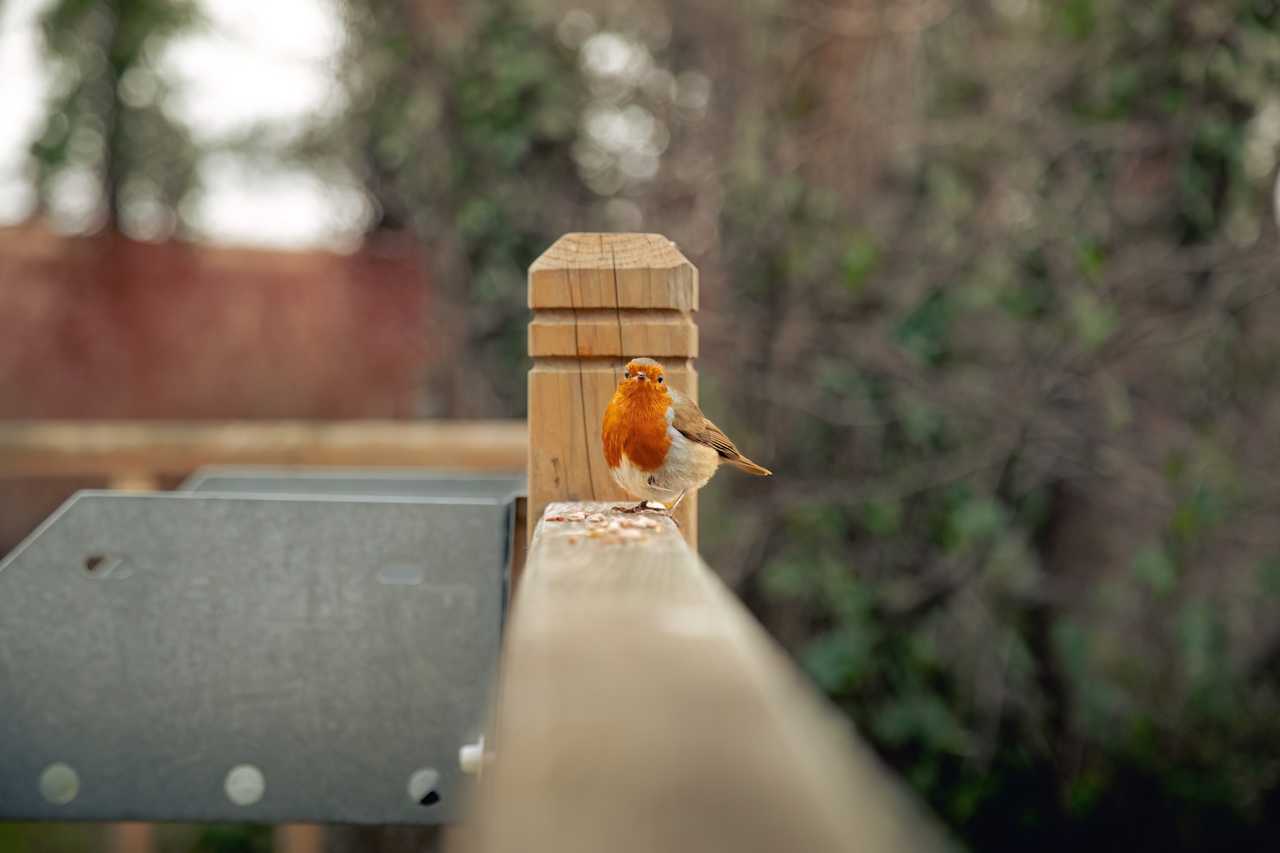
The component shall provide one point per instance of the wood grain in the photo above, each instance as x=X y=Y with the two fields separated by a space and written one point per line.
x=137 y=450
x=643 y=709
x=598 y=301
x=613 y=271
x=607 y=332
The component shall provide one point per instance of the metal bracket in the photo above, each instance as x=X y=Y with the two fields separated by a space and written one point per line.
x=387 y=482
x=224 y=656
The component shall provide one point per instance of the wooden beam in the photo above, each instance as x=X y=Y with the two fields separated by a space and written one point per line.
x=130 y=838
x=139 y=449
x=599 y=300
x=298 y=838
x=642 y=708
x=130 y=481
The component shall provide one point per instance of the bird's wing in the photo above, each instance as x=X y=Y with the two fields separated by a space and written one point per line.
x=695 y=426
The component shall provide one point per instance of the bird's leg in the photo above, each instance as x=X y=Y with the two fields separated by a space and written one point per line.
x=670 y=512
x=643 y=506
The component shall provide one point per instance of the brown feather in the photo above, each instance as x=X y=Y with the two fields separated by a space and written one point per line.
x=695 y=426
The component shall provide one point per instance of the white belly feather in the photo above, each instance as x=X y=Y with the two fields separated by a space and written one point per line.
x=689 y=465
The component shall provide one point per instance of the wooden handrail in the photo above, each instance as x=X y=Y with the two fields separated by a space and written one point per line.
x=140 y=449
x=642 y=708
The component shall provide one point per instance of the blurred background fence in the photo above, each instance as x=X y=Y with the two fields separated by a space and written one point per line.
x=991 y=285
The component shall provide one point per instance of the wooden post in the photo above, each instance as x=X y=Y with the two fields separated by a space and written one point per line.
x=298 y=838
x=133 y=481
x=131 y=838
x=599 y=300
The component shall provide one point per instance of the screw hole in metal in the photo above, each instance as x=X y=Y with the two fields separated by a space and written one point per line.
x=106 y=566
x=422 y=786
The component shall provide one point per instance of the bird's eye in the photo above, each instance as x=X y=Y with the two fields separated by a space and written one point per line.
x=659 y=378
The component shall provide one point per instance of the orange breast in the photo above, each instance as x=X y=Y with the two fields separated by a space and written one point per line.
x=635 y=423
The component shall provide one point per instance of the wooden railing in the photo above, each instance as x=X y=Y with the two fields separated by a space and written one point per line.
x=644 y=709
x=136 y=452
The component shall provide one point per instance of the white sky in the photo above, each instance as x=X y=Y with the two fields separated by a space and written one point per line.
x=259 y=60
x=19 y=102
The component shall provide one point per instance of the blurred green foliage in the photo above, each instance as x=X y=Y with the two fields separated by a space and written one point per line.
x=234 y=838
x=464 y=143
x=47 y=838
x=107 y=127
x=975 y=368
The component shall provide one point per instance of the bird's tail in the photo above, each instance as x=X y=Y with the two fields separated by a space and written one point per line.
x=750 y=467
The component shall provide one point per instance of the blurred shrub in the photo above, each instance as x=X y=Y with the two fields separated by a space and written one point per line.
x=109 y=154
x=233 y=838
x=1022 y=507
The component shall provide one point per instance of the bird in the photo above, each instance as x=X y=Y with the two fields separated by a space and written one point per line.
x=658 y=444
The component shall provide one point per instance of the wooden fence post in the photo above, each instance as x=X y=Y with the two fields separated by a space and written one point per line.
x=599 y=300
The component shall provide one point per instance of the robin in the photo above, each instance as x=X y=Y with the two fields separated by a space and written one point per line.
x=657 y=442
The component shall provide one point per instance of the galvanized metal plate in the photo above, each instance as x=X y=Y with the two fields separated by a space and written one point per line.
x=354 y=481
x=198 y=657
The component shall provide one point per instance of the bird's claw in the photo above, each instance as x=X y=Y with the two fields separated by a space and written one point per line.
x=643 y=506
